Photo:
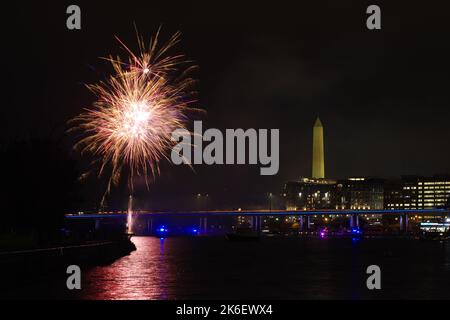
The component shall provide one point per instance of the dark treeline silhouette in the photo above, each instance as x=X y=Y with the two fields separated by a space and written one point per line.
x=40 y=183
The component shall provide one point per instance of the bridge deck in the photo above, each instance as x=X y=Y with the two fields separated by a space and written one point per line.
x=262 y=213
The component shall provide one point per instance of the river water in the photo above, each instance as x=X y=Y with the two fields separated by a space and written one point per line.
x=214 y=268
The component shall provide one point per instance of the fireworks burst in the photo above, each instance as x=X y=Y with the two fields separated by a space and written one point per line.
x=131 y=122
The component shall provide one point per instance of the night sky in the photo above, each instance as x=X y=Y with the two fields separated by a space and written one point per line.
x=383 y=96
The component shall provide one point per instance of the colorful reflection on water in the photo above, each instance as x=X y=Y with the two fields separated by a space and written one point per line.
x=144 y=274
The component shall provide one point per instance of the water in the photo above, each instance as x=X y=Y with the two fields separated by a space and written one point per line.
x=214 y=268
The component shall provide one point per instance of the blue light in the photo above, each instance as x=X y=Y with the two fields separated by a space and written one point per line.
x=162 y=229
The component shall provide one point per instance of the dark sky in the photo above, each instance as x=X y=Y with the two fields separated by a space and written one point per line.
x=383 y=96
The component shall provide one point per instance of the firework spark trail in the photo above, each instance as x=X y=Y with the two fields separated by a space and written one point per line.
x=130 y=124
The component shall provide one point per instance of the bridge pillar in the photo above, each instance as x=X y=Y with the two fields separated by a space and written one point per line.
x=406 y=222
x=300 y=223
x=308 y=222
x=256 y=223
x=149 y=226
x=354 y=220
x=400 y=222
x=97 y=224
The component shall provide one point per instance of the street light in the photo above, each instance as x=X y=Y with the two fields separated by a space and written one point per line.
x=270 y=201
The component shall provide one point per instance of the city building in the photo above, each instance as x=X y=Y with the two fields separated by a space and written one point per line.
x=308 y=194
x=318 y=157
x=408 y=192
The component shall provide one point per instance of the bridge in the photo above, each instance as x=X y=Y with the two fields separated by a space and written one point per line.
x=200 y=218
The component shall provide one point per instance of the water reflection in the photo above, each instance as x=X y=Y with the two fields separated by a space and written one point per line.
x=214 y=268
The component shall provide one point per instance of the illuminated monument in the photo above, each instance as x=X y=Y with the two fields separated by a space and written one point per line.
x=315 y=192
x=318 y=161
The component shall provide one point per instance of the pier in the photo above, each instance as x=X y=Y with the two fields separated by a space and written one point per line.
x=217 y=222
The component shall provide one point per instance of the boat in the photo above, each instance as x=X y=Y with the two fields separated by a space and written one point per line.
x=434 y=235
x=435 y=230
x=243 y=234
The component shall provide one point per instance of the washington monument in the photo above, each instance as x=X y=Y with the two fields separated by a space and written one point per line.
x=318 y=159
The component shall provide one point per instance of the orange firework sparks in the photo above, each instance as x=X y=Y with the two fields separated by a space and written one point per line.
x=130 y=124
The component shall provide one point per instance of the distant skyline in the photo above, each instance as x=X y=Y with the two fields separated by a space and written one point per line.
x=382 y=95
